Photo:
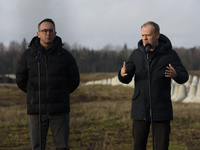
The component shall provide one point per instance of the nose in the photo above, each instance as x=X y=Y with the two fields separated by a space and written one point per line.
x=144 y=37
x=48 y=32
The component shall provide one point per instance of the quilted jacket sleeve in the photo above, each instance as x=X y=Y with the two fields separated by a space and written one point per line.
x=22 y=73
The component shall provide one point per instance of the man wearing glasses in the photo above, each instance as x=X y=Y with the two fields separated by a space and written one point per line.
x=48 y=74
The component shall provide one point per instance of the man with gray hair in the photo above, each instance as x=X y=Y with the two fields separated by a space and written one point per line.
x=154 y=63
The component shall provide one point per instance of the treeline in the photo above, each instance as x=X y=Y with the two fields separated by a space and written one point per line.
x=108 y=59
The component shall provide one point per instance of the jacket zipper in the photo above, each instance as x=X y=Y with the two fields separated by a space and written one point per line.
x=46 y=70
x=146 y=69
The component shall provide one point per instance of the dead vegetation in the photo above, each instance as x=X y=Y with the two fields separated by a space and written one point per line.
x=100 y=119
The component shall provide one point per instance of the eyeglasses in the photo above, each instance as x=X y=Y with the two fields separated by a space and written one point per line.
x=46 y=30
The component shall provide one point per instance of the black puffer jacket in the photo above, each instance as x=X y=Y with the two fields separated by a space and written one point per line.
x=59 y=77
x=136 y=65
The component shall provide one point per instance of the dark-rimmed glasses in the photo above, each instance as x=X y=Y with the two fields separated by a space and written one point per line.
x=46 y=30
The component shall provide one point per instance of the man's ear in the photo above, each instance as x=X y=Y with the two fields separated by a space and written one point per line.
x=38 y=34
x=158 y=35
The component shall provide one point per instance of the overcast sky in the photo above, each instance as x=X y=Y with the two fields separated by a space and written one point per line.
x=97 y=23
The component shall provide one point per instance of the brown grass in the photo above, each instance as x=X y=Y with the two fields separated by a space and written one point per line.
x=100 y=120
x=194 y=72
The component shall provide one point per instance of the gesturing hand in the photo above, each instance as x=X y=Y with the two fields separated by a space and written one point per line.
x=170 y=72
x=123 y=70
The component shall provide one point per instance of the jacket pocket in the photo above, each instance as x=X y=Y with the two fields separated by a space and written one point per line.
x=135 y=95
x=164 y=96
x=31 y=96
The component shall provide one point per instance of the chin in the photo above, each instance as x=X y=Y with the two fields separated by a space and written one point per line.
x=49 y=41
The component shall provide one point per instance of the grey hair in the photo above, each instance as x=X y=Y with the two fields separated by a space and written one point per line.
x=156 y=27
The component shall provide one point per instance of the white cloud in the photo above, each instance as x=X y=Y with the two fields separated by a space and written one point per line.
x=97 y=23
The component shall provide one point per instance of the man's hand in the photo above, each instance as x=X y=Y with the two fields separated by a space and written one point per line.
x=123 y=70
x=170 y=72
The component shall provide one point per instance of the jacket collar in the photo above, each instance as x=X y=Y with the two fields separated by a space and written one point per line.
x=164 y=44
x=36 y=46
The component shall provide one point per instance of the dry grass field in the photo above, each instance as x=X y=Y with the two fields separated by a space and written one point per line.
x=100 y=119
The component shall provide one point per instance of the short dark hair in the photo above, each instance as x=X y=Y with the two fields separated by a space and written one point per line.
x=46 y=20
x=155 y=26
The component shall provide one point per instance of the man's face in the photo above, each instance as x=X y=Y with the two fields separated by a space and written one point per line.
x=149 y=36
x=46 y=33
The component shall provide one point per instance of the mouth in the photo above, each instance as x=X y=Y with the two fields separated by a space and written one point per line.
x=48 y=38
x=144 y=43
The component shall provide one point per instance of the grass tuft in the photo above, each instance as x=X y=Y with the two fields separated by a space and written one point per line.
x=99 y=119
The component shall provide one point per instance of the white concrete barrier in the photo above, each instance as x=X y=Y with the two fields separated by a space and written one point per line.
x=182 y=93
x=188 y=83
x=175 y=93
x=173 y=83
x=192 y=90
x=187 y=93
x=196 y=99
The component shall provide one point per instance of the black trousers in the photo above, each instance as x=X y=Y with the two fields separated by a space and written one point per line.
x=141 y=131
x=59 y=127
